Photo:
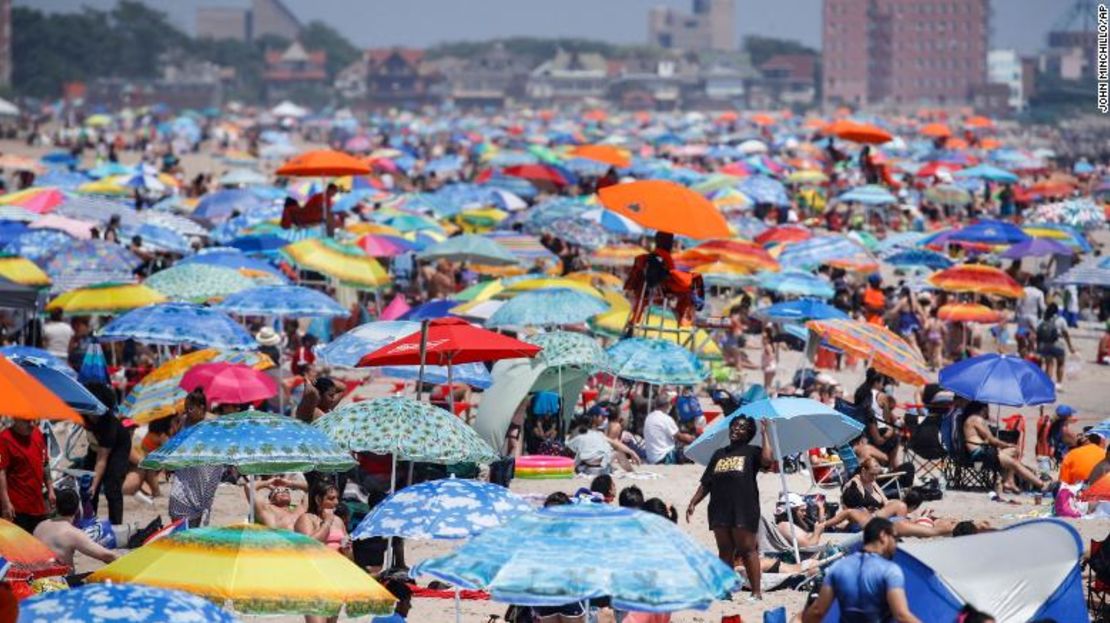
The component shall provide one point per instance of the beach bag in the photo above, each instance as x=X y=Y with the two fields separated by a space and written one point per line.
x=501 y=471
x=688 y=407
x=544 y=404
x=1047 y=333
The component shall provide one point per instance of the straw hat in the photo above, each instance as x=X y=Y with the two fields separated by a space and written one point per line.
x=266 y=336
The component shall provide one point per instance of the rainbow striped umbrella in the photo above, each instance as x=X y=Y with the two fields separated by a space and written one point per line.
x=158 y=394
x=887 y=352
x=37 y=199
x=256 y=570
x=969 y=312
x=978 y=279
x=29 y=557
x=616 y=255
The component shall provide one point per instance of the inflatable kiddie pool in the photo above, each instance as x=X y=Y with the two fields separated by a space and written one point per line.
x=538 y=467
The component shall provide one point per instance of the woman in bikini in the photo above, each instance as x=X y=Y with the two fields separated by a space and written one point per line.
x=323 y=524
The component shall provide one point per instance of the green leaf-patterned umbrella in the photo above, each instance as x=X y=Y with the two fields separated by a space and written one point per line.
x=565 y=349
x=407 y=429
x=197 y=283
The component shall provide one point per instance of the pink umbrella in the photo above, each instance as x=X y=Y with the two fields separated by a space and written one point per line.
x=82 y=230
x=229 y=383
x=395 y=309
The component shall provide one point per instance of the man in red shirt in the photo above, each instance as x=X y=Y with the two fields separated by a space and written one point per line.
x=23 y=475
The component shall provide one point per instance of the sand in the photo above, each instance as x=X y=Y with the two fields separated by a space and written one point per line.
x=1086 y=392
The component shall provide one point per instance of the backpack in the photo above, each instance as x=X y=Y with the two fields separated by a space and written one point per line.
x=1047 y=332
x=688 y=408
x=655 y=271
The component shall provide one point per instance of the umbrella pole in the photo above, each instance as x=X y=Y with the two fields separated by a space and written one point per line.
x=785 y=491
x=423 y=357
x=250 y=498
x=450 y=387
x=387 y=560
x=458 y=606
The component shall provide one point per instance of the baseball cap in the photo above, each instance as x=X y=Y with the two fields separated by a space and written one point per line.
x=1064 y=411
x=875 y=279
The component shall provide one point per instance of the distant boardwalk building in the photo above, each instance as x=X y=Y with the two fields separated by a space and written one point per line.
x=5 y=42
x=261 y=18
x=904 y=52
x=711 y=26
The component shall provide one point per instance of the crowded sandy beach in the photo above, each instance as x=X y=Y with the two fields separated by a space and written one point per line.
x=559 y=361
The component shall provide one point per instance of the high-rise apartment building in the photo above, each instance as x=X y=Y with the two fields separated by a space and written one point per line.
x=904 y=51
x=711 y=26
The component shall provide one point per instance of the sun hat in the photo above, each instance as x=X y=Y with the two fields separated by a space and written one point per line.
x=266 y=336
x=1064 y=411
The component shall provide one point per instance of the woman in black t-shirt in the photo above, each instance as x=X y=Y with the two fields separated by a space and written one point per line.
x=730 y=482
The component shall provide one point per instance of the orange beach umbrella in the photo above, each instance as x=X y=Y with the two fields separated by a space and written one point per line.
x=666 y=206
x=324 y=163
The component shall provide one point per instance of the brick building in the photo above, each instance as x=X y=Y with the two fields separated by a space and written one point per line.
x=904 y=52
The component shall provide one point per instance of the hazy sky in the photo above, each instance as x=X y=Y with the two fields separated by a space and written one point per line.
x=1019 y=24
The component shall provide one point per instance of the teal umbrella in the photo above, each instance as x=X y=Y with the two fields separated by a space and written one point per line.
x=253 y=442
x=565 y=349
x=469 y=248
x=197 y=283
x=655 y=362
x=546 y=308
x=572 y=553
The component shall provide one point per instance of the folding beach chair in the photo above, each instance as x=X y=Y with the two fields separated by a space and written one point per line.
x=961 y=472
x=1098 y=592
x=771 y=541
x=924 y=448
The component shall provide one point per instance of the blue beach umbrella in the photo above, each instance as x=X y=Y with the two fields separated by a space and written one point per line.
x=567 y=554
x=37 y=244
x=547 y=307
x=764 y=189
x=800 y=310
x=991 y=232
x=37 y=355
x=220 y=204
x=870 y=194
x=282 y=302
x=258 y=243
x=987 y=172
x=655 y=362
x=254 y=442
x=796 y=283
x=999 y=379
x=1037 y=247
x=919 y=257
x=179 y=323
x=450 y=508
x=120 y=603
x=237 y=260
x=64 y=386
x=818 y=250
x=437 y=308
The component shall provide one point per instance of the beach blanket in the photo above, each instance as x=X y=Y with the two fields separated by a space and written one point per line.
x=446 y=593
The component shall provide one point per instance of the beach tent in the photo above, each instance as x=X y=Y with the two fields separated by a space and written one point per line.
x=1025 y=572
x=513 y=381
x=8 y=109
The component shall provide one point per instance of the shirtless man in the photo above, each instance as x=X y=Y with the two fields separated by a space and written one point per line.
x=982 y=445
x=63 y=538
x=276 y=510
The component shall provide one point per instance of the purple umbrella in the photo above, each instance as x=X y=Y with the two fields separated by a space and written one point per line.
x=1037 y=247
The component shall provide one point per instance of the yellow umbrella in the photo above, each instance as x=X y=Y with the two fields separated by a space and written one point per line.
x=479 y=220
x=105 y=299
x=23 y=271
x=662 y=326
x=597 y=278
x=543 y=283
x=616 y=255
x=807 y=176
x=157 y=395
x=361 y=229
x=482 y=291
x=349 y=264
x=257 y=570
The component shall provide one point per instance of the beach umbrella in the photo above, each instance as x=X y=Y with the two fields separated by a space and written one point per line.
x=978 y=279
x=449 y=508
x=23 y=271
x=253 y=442
x=991 y=232
x=579 y=231
x=220 y=205
x=749 y=255
x=764 y=189
x=255 y=570
x=349 y=264
x=616 y=255
x=28 y=558
x=257 y=244
x=379 y=245
x=26 y=397
x=573 y=553
x=407 y=430
x=177 y=324
x=871 y=194
x=1085 y=274
x=120 y=603
x=947 y=194
x=796 y=283
x=17 y=354
x=91 y=255
x=919 y=257
x=64 y=386
x=448 y=341
x=987 y=172
x=234 y=259
x=282 y=302
x=1065 y=234
x=885 y=351
x=857 y=132
x=566 y=349
x=37 y=245
x=612 y=222
x=37 y=199
x=783 y=234
x=468 y=248
x=655 y=362
x=197 y=283
x=1036 y=247
x=229 y=383
x=435 y=308
x=969 y=312
x=999 y=379
x=813 y=252
x=159 y=394
x=82 y=230
x=323 y=163
x=605 y=154
x=105 y=299
x=547 y=307
x=666 y=206
x=243 y=177
x=807 y=176
x=799 y=310
x=158 y=238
